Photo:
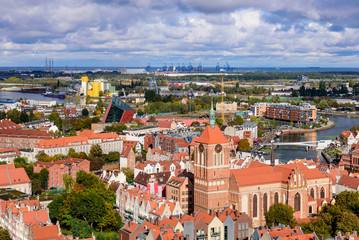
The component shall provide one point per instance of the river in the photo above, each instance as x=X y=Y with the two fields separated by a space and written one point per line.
x=286 y=153
x=29 y=96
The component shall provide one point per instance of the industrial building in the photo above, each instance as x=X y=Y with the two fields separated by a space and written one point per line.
x=94 y=87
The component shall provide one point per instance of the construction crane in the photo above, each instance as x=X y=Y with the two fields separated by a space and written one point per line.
x=222 y=83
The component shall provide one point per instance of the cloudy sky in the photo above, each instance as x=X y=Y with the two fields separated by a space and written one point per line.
x=266 y=33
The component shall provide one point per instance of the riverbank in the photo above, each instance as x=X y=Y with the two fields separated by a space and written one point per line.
x=301 y=130
x=341 y=114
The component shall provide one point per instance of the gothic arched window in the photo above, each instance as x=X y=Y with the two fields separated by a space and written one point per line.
x=297 y=202
x=312 y=193
x=322 y=193
x=265 y=202
x=276 y=198
x=255 y=206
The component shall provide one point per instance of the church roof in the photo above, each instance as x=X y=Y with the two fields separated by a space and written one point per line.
x=212 y=136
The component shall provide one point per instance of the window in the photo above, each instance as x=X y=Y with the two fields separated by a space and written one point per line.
x=225 y=232
x=322 y=193
x=265 y=202
x=312 y=193
x=255 y=214
x=310 y=209
x=276 y=198
x=297 y=202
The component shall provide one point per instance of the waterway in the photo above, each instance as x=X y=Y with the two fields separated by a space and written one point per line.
x=286 y=153
x=29 y=96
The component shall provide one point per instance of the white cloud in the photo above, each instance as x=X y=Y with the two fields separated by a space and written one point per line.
x=136 y=32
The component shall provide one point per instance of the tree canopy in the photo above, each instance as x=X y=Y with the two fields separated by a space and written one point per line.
x=280 y=213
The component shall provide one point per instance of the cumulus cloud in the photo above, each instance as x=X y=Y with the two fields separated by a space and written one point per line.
x=134 y=32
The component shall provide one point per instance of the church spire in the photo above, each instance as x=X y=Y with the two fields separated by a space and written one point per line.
x=211 y=116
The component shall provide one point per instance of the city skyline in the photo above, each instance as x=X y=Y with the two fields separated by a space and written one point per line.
x=135 y=33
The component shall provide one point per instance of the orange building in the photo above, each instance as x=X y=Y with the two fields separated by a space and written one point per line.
x=58 y=168
x=254 y=189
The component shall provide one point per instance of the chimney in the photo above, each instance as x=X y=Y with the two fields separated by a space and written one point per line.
x=292 y=233
x=129 y=224
x=161 y=228
x=236 y=213
x=211 y=212
x=227 y=213
x=321 y=237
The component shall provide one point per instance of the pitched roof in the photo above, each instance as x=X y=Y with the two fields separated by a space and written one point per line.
x=143 y=178
x=68 y=160
x=25 y=133
x=81 y=138
x=46 y=232
x=7 y=152
x=212 y=136
x=10 y=175
x=348 y=181
x=8 y=124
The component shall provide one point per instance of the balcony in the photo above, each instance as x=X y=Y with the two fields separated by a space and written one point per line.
x=215 y=234
x=201 y=236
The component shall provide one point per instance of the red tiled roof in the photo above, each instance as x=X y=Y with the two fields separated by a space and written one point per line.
x=46 y=232
x=212 y=136
x=130 y=226
x=8 y=124
x=10 y=175
x=126 y=151
x=25 y=133
x=348 y=181
x=128 y=143
x=7 y=152
x=58 y=162
x=35 y=217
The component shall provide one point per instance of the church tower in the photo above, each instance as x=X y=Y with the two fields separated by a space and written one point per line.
x=211 y=168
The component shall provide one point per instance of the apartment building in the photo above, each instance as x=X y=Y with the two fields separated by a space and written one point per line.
x=109 y=142
x=286 y=112
x=58 y=168
x=180 y=188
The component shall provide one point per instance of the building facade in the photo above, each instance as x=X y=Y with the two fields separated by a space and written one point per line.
x=286 y=112
x=57 y=169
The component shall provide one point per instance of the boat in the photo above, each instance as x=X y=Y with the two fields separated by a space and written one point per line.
x=54 y=95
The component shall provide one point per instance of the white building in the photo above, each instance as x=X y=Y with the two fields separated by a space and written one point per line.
x=109 y=142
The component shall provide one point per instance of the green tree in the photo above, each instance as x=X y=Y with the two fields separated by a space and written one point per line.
x=24 y=117
x=41 y=156
x=36 y=186
x=54 y=116
x=56 y=206
x=274 y=124
x=280 y=213
x=219 y=122
x=113 y=156
x=80 y=228
x=87 y=179
x=244 y=145
x=347 y=222
x=95 y=151
x=129 y=173
x=347 y=199
x=4 y=234
x=31 y=116
x=323 y=104
x=44 y=177
x=14 y=115
x=85 y=112
x=68 y=182
x=319 y=226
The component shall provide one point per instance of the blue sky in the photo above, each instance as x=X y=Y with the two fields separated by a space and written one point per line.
x=247 y=33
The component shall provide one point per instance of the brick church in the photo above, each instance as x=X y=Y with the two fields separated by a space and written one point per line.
x=254 y=189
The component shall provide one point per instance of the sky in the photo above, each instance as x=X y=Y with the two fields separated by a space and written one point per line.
x=244 y=33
